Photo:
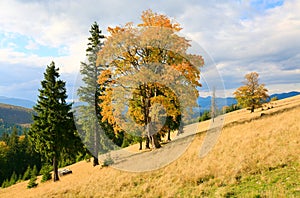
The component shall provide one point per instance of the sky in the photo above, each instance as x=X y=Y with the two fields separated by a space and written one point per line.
x=235 y=37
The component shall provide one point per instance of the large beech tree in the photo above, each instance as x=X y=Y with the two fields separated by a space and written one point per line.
x=252 y=94
x=150 y=74
x=53 y=131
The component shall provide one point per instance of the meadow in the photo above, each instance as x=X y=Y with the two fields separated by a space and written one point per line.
x=256 y=155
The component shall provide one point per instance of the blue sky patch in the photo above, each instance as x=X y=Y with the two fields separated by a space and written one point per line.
x=266 y=4
x=27 y=45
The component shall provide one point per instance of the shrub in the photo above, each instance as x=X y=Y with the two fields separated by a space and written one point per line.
x=5 y=184
x=205 y=116
x=274 y=99
x=32 y=182
x=46 y=172
x=108 y=161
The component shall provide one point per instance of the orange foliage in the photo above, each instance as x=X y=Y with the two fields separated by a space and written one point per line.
x=151 y=19
x=152 y=51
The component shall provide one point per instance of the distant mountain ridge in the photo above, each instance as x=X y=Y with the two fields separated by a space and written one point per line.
x=285 y=95
x=17 y=102
x=205 y=102
x=15 y=114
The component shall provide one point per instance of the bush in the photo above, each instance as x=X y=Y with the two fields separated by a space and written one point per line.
x=5 y=184
x=125 y=143
x=46 y=172
x=274 y=99
x=108 y=161
x=232 y=107
x=205 y=116
x=32 y=182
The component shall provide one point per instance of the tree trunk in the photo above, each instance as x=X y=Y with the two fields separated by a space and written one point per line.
x=252 y=109
x=155 y=142
x=95 y=161
x=55 y=170
x=96 y=132
x=141 y=143
x=169 y=135
x=180 y=130
x=96 y=140
x=147 y=143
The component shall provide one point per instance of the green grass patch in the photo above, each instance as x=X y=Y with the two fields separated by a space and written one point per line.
x=281 y=180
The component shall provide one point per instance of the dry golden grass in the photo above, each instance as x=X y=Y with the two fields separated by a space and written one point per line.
x=245 y=146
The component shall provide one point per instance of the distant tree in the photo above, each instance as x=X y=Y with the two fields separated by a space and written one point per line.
x=5 y=137
x=252 y=94
x=232 y=107
x=205 y=116
x=273 y=99
x=53 y=130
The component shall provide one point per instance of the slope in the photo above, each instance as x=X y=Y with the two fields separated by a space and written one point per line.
x=255 y=155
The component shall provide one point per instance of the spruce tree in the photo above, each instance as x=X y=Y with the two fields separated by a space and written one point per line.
x=45 y=171
x=26 y=175
x=52 y=131
x=13 y=179
x=89 y=116
x=32 y=182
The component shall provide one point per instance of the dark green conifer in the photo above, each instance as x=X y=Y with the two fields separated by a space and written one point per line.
x=52 y=131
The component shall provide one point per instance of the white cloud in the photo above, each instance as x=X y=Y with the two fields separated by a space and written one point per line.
x=32 y=45
x=239 y=37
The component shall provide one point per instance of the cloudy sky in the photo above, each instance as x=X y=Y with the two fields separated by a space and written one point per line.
x=238 y=37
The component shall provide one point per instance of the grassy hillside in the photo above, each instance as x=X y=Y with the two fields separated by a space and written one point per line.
x=256 y=155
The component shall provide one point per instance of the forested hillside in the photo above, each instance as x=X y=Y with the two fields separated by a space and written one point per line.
x=11 y=116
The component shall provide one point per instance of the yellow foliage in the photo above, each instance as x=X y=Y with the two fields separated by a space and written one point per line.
x=151 y=19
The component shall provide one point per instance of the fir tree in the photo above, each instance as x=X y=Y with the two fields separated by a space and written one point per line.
x=89 y=115
x=35 y=171
x=13 y=179
x=26 y=175
x=52 y=131
x=45 y=171
x=32 y=182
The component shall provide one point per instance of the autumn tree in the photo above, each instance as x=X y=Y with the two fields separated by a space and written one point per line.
x=53 y=131
x=252 y=94
x=150 y=76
